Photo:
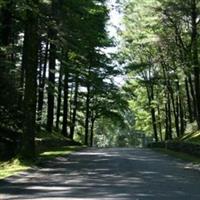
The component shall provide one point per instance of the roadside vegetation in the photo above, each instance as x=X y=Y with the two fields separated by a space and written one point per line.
x=16 y=165
x=160 y=50
x=179 y=155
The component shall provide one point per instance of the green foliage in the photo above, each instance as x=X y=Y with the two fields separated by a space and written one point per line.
x=160 y=51
x=116 y=130
x=72 y=35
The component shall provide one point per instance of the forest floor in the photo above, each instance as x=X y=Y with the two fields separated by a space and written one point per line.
x=117 y=173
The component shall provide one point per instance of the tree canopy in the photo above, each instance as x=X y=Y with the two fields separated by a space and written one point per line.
x=56 y=75
x=159 y=44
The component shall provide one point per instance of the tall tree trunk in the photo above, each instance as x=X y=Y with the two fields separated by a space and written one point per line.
x=150 y=94
x=71 y=102
x=153 y=113
x=65 y=105
x=40 y=69
x=92 y=132
x=180 y=110
x=87 y=115
x=175 y=105
x=160 y=123
x=168 y=134
x=31 y=47
x=59 y=97
x=22 y=74
x=182 y=121
x=42 y=84
x=192 y=90
x=75 y=106
x=52 y=67
x=189 y=100
x=153 y=116
x=168 y=119
x=166 y=122
x=51 y=86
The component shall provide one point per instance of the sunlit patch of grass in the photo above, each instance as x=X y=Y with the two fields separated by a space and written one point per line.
x=59 y=152
x=12 y=167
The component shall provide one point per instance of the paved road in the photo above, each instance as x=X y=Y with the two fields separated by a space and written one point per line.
x=106 y=174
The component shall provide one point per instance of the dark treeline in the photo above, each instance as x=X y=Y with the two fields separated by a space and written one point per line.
x=53 y=72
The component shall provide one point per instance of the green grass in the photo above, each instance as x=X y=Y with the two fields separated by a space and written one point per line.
x=180 y=155
x=12 y=167
x=59 y=152
x=15 y=166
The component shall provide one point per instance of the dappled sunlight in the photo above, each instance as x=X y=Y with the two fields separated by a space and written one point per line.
x=123 y=174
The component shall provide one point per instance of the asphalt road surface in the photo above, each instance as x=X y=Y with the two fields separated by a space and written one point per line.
x=106 y=174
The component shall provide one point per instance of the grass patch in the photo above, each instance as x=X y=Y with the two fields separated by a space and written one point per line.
x=180 y=155
x=15 y=166
x=12 y=167
x=59 y=152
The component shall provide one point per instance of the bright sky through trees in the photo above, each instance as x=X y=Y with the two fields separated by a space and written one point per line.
x=115 y=18
x=113 y=26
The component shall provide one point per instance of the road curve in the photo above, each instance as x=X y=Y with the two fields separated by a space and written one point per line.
x=106 y=174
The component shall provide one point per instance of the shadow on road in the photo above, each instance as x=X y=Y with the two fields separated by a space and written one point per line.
x=124 y=174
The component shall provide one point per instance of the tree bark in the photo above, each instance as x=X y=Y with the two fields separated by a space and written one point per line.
x=31 y=47
x=168 y=133
x=192 y=90
x=65 y=106
x=92 y=132
x=150 y=90
x=75 y=106
x=160 y=123
x=168 y=118
x=51 y=86
x=87 y=115
x=60 y=86
x=42 y=84
x=189 y=100
x=175 y=106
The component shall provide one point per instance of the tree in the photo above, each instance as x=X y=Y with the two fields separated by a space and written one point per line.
x=54 y=50
x=31 y=48
x=168 y=42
